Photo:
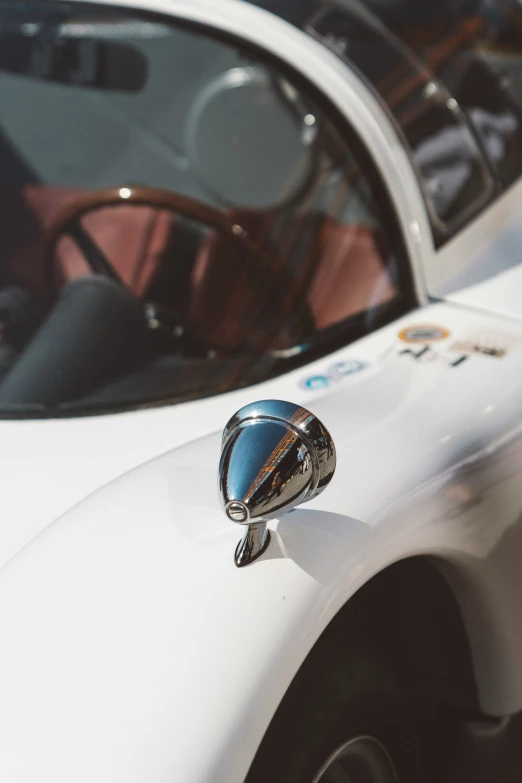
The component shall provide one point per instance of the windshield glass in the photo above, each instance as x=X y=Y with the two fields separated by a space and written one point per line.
x=177 y=217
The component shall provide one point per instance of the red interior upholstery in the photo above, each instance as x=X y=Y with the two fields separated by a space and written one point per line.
x=223 y=298
x=335 y=267
x=350 y=275
x=340 y=271
x=133 y=238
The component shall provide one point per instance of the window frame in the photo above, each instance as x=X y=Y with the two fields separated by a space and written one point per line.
x=442 y=231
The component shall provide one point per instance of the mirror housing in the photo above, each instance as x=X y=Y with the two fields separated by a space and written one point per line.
x=275 y=456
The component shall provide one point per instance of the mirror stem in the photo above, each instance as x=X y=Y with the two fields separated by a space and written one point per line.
x=254 y=542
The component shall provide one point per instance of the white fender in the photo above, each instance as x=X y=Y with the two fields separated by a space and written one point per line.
x=133 y=649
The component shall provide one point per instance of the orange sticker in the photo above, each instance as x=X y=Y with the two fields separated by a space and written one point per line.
x=423 y=334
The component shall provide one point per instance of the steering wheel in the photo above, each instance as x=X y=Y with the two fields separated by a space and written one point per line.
x=69 y=223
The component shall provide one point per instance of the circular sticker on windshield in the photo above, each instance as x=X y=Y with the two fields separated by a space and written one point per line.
x=423 y=334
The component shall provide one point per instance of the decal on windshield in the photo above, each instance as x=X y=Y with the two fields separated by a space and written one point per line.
x=335 y=373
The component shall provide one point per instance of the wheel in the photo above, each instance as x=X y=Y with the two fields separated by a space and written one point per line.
x=343 y=720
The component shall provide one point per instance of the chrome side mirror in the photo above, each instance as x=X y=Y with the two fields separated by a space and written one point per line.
x=275 y=455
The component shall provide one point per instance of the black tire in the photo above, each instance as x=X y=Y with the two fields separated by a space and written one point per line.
x=343 y=691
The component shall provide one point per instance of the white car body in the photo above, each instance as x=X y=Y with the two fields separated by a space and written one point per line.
x=132 y=648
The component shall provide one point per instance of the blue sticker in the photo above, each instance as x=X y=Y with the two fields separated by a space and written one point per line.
x=342 y=369
x=315 y=382
x=336 y=372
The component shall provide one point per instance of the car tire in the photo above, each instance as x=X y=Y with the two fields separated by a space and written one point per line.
x=343 y=718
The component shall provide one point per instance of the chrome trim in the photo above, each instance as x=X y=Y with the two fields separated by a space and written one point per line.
x=362 y=754
x=275 y=455
x=255 y=540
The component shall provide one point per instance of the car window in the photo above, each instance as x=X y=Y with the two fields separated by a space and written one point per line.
x=474 y=48
x=444 y=149
x=178 y=216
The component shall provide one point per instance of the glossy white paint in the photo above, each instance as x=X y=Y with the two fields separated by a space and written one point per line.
x=128 y=634
x=132 y=648
x=481 y=266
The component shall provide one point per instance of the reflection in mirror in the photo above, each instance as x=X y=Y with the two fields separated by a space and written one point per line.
x=275 y=456
x=268 y=467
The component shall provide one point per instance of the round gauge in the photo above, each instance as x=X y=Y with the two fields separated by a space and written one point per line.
x=247 y=140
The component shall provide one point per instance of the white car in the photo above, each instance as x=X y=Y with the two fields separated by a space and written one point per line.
x=216 y=212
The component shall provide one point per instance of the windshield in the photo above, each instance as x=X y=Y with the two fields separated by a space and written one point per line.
x=177 y=217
